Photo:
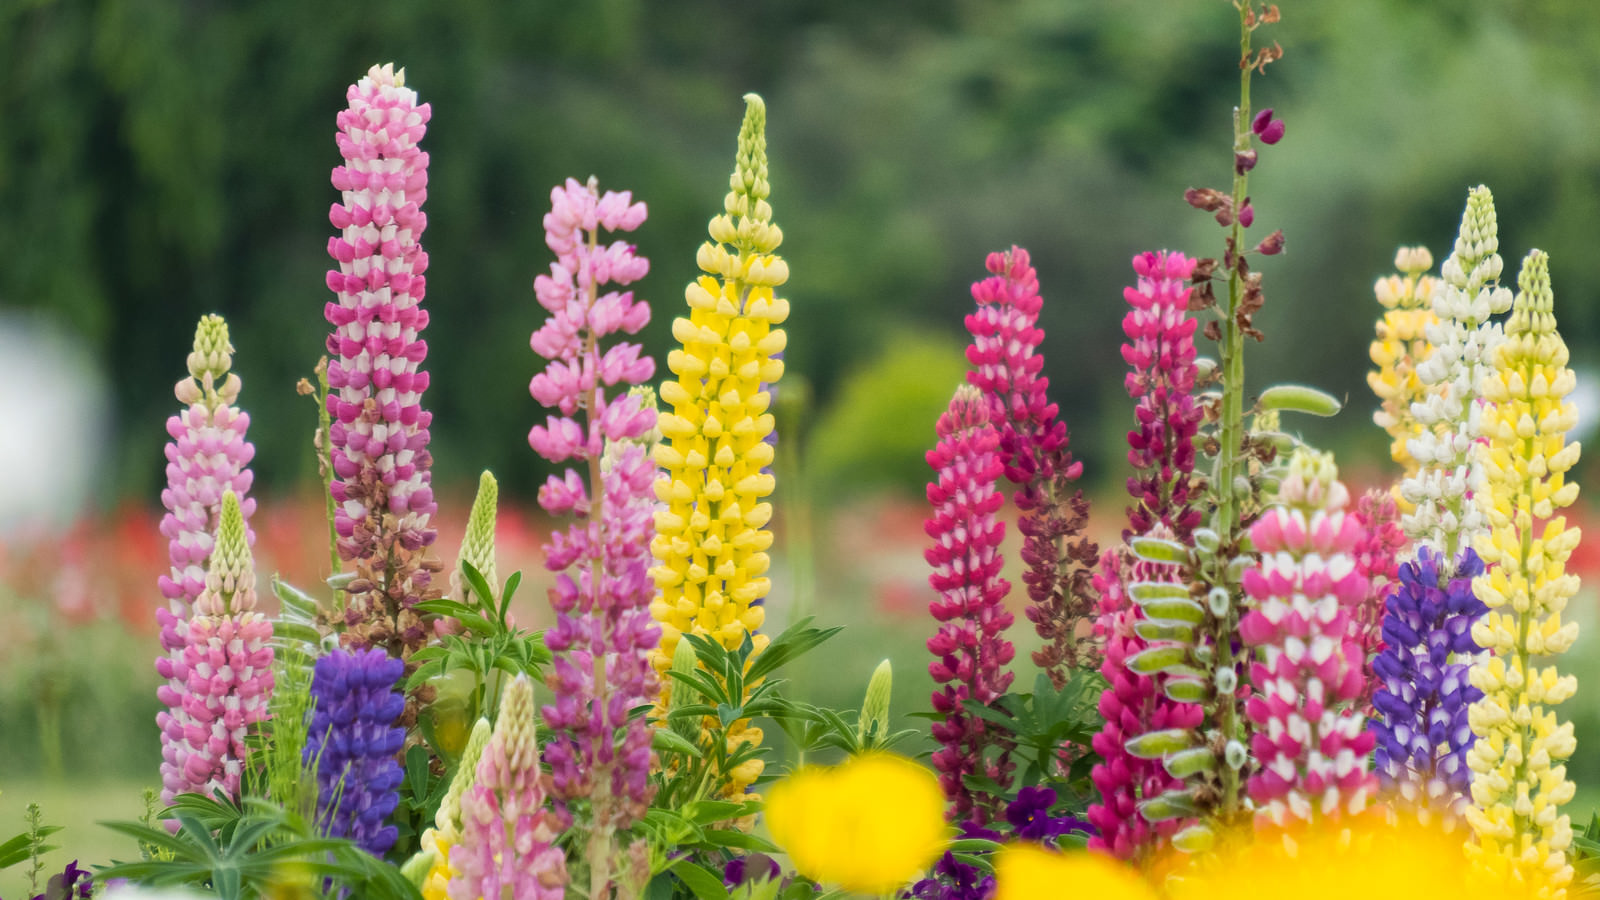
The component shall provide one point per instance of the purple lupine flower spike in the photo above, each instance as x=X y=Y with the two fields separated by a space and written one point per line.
x=354 y=740
x=603 y=609
x=379 y=431
x=1423 y=625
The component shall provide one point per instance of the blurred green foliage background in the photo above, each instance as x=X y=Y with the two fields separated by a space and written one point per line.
x=161 y=160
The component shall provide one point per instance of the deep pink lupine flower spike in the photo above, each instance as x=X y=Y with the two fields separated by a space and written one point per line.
x=1034 y=455
x=602 y=609
x=1161 y=352
x=970 y=650
x=382 y=481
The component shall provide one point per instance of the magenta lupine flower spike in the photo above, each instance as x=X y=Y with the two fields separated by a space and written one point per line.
x=970 y=650
x=1378 y=561
x=603 y=610
x=1310 y=744
x=1161 y=352
x=1133 y=705
x=379 y=430
x=507 y=836
x=223 y=672
x=1033 y=451
x=207 y=457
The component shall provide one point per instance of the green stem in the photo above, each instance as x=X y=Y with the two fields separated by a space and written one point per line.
x=1226 y=521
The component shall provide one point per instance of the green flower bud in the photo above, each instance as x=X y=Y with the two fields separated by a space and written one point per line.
x=875 y=708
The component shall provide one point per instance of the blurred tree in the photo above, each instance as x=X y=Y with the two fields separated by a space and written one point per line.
x=161 y=160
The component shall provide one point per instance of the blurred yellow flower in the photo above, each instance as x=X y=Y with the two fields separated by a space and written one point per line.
x=870 y=825
x=1030 y=872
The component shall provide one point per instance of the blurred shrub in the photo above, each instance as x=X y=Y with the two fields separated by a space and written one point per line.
x=880 y=424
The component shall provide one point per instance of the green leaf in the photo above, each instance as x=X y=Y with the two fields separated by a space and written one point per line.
x=973 y=845
x=728 y=715
x=705 y=885
x=665 y=740
x=704 y=812
x=478 y=585
x=722 y=837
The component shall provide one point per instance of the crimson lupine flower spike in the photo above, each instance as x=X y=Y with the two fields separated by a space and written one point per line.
x=1160 y=350
x=970 y=650
x=1034 y=455
x=379 y=430
x=1378 y=561
x=207 y=457
x=1132 y=705
x=603 y=611
x=1311 y=745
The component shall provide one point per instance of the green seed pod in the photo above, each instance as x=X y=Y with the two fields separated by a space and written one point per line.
x=1154 y=631
x=1171 y=805
x=1197 y=838
x=684 y=662
x=1158 y=744
x=1145 y=591
x=1157 y=550
x=1185 y=690
x=1184 y=610
x=1190 y=762
x=1157 y=659
x=1206 y=540
x=1298 y=398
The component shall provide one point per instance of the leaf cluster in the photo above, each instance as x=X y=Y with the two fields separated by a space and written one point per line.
x=248 y=850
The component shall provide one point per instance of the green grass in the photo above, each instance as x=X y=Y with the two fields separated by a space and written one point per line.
x=77 y=806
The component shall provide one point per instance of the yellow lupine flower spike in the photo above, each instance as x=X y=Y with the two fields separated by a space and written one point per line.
x=711 y=540
x=1519 y=782
x=1401 y=343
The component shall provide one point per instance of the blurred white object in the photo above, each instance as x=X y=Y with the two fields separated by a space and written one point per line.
x=53 y=425
x=1586 y=396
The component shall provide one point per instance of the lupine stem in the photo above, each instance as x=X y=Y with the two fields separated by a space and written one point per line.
x=1229 y=453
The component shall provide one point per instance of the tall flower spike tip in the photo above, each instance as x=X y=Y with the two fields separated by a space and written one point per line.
x=1311 y=745
x=711 y=541
x=1519 y=782
x=603 y=636
x=477 y=547
x=1033 y=450
x=1401 y=345
x=220 y=681
x=353 y=740
x=507 y=836
x=379 y=431
x=970 y=649
x=1447 y=413
x=1161 y=353
x=207 y=456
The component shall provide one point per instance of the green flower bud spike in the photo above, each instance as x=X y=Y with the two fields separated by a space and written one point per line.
x=874 y=722
x=477 y=547
x=447 y=822
x=231 y=577
x=209 y=362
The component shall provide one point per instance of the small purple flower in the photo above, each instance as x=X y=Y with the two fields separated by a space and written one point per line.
x=72 y=884
x=749 y=868
x=354 y=741
x=1267 y=128
x=1030 y=819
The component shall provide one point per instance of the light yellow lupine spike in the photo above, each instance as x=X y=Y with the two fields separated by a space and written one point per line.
x=1519 y=782
x=1402 y=343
